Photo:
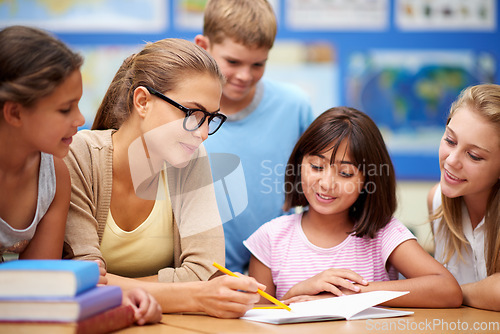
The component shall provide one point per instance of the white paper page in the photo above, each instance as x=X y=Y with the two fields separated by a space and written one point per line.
x=346 y=306
x=281 y=316
x=333 y=308
x=379 y=312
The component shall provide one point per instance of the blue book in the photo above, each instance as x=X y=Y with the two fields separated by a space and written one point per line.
x=83 y=306
x=47 y=278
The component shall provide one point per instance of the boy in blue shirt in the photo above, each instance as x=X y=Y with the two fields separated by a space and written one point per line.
x=265 y=120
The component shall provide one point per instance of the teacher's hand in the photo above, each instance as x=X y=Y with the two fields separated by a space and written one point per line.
x=229 y=297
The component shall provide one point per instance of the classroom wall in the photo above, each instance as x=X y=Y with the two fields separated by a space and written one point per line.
x=412 y=210
x=401 y=61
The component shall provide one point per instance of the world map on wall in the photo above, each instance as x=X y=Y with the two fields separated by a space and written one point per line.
x=86 y=15
x=402 y=100
x=408 y=96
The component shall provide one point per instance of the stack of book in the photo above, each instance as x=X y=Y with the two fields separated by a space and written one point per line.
x=59 y=296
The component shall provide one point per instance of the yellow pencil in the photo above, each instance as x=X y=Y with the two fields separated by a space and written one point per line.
x=267 y=307
x=259 y=291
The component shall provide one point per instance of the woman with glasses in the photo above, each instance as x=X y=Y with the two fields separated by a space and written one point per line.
x=142 y=196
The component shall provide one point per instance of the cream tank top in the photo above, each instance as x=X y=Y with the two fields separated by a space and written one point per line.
x=148 y=248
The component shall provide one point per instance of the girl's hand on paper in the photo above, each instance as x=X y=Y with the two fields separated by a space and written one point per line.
x=331 y=281
x=229 y=297
x=306 y=298
x=146 y=308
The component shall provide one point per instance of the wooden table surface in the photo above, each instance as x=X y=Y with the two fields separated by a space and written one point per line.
x=458 y=320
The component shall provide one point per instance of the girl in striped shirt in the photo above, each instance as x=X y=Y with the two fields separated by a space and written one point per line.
x=346 y=240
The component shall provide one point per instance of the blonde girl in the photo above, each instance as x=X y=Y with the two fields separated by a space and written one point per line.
x=465 y=204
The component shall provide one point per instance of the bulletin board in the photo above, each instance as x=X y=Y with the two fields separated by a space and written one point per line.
x=401 y=61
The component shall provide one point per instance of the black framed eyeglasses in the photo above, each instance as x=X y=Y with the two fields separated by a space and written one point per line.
x=194 y=117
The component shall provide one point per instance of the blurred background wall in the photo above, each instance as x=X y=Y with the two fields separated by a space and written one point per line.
x=401 y=61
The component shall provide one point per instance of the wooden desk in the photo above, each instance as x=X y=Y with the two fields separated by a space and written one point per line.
x=157 y=329
x=459 y=320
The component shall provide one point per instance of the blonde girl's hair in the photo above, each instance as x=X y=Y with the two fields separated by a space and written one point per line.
x=161 y=65
x=484 y=100
x=248 y=22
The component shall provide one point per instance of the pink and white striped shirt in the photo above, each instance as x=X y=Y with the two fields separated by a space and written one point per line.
x=282 y=246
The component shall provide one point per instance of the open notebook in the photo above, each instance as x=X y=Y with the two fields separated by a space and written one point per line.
x=352 y=307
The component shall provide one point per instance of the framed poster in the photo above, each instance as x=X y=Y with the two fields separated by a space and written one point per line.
x=99 y=67
x=449 y=15
x=343 y=15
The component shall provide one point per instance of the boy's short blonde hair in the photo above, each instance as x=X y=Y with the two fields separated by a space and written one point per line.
x=248 y=22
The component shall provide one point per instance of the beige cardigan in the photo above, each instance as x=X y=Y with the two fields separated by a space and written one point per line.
x=198 y=233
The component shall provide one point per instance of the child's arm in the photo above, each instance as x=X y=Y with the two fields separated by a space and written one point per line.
x=484 y=294
x=263 y=275
x=429 y=283
x=47 y=243
x=327 y=281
